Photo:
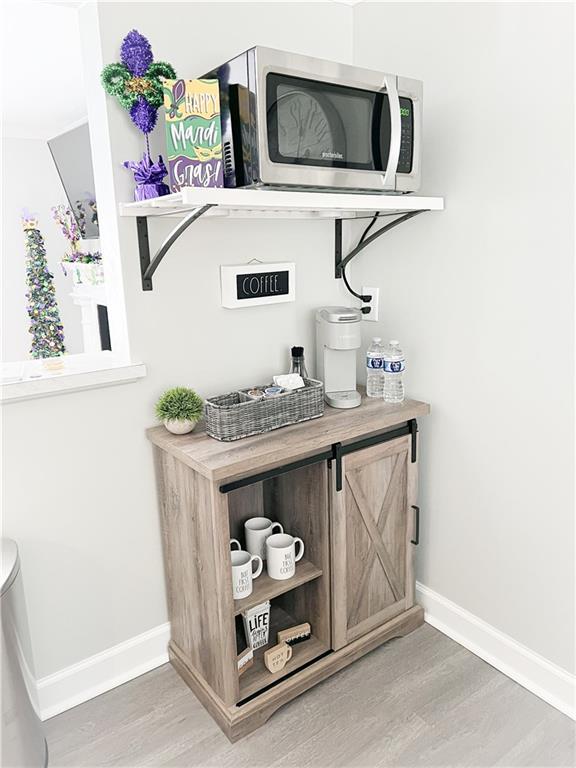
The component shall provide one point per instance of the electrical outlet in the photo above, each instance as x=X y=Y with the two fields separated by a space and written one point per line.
x=374 y=304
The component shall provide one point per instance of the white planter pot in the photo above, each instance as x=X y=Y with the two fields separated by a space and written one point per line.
x=84 y=274
x=178 y=427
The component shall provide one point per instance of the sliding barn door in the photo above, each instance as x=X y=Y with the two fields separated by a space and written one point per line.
x=372 y=528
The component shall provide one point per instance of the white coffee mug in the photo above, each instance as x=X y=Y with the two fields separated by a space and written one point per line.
x=243 y=572
x=281 y=555
x=256 y=531
x=235 y=542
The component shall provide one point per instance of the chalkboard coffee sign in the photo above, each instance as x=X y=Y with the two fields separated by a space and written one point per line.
x=250 y=284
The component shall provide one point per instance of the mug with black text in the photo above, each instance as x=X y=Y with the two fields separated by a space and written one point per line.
x=281 y=555
x=256 y=531
x=243 y=572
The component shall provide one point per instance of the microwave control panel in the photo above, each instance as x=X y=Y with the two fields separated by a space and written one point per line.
x=406 y=136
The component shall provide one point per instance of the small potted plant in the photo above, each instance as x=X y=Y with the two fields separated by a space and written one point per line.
x=180 y=409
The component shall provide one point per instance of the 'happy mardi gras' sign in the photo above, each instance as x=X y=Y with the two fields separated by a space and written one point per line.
x=193 y=133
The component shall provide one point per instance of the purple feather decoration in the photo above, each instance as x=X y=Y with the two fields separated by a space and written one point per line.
x=136 y=53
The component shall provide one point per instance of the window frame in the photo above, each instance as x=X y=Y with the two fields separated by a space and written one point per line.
x=105 y=368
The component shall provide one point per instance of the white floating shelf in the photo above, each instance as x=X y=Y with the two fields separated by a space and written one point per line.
x=258 y=203
x=191 y=203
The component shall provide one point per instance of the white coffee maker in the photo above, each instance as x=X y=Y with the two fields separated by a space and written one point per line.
x=337 y=339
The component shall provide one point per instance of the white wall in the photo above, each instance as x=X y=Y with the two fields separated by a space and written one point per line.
x=47 y=64
x=481 y=297
x=79 y=491
x=474 y=293
x=30 y=181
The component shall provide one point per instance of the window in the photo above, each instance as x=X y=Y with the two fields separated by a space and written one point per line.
x=64 y=324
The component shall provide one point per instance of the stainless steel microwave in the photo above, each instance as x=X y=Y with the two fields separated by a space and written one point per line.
x=296 y=121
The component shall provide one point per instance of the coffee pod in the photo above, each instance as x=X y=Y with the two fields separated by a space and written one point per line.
x=272 y=391
x=255 y=394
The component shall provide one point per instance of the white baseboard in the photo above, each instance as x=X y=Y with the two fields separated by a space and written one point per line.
x=535 y=673
x=102 y=672
x=125 y=661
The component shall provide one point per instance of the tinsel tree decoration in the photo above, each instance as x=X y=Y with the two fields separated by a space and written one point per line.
x=45 y=324
x=136 y=81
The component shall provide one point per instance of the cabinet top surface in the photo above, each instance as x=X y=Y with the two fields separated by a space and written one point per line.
x=218 y=460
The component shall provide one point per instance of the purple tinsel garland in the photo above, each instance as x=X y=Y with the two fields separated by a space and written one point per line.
x=143 y=115
x=136 y=53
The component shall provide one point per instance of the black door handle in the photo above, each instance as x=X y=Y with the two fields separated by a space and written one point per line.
x=417 y=516
x=337 y=457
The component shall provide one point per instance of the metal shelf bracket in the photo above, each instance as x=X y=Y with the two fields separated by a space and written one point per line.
x=149 y=266
x=340 y=262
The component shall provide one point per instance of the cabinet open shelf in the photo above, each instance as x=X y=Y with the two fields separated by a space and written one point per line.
x=298 y=500
x=265 y=588
x=257 y=676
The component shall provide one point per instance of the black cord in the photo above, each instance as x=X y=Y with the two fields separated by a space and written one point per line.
x=377 y=215
x=368 y=228
x=365 y=241
x=386 y=228
x=363 y=298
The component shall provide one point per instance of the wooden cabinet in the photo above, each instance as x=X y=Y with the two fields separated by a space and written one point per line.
x=372 y=529
x=346 y=485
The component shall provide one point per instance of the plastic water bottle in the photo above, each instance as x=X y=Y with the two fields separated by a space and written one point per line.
x=375 y=368
x=394 y=365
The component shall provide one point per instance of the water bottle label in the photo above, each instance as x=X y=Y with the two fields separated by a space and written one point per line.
x=395 y=366
x=375 y=363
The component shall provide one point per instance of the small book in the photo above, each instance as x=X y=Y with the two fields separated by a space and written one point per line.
x=245 y=659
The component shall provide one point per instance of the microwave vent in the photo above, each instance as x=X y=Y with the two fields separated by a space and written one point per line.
x=228 y=160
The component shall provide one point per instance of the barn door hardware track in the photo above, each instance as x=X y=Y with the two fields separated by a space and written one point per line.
x=339 y=450
x=148 y=266
x=341 y=262
x=332 y=454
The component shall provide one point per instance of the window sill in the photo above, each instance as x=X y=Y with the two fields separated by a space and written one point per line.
x=29 y=380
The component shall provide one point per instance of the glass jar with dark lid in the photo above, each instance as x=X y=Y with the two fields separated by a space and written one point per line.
x=298 y=365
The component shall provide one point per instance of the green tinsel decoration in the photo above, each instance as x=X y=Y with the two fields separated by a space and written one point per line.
x=136 y=81
x=45 y=324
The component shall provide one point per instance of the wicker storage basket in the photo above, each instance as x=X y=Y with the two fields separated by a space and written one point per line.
x=235 y=415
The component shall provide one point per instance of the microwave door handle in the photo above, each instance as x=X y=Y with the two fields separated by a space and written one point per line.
x=395 y=132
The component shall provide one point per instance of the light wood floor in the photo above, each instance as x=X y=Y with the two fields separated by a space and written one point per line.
x=421 y=700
